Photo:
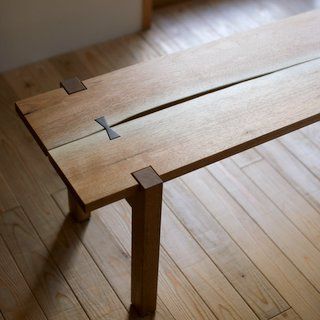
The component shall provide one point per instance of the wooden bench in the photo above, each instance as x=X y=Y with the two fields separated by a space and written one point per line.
x=121 y=135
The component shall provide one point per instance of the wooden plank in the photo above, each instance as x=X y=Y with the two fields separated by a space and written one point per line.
x=194 y=13
x=194 y=134
x=201 y=272
x=304 y=150
x=292 y=170
x=268 y=216
x=287 y=199
x=113 y=260
x=176 y=292
x=31 y=80
x=313 y=133
x=57 y=233
x=42 y=275
x=7 y=199
x=55 y=124
x=16 y=134
x=17 y=301
x=287 y=315
x=262 y=251
x=246 y=158
x=146 y=223
x=244 y=276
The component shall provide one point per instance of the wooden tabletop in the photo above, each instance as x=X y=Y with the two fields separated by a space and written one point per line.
x=182 y=111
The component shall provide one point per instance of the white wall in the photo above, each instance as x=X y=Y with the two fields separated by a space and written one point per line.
x=31 y=30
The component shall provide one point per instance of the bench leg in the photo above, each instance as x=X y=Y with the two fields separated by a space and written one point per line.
x=76 y=211
x=146 y=221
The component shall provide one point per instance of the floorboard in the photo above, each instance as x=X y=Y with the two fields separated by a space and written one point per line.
x=240 y=239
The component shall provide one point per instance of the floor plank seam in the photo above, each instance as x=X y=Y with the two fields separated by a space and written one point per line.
x=283 y=312
x=289 y=182
x=257 y=224
x=210 y=258
x=89 y=253
x=284 y=215
x=129 y=254
x=22 y=275
x=299 y=160
x=234 y=241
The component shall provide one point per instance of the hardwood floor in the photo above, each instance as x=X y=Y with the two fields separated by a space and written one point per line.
x=240 y=238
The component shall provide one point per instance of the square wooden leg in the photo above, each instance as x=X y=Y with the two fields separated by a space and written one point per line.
x=146 y=222
x=76 y=211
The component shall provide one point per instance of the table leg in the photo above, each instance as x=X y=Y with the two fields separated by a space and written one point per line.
x=76 y=211
x=146 y=221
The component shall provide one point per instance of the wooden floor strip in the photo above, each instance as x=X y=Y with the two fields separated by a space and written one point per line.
x=270 y=219
x=97 y=266
x=41 y=273
x=251 y=284
x=175 y=290
x=7 y=198
x=17 y=300
x=313 y=133
x=287 y=315
x=113 y=260
x=287 y=199
x=261 y=250
x=82 y=274
x=304 y=150
x=292 y=170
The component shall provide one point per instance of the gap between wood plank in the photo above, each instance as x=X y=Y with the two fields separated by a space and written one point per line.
x=164 y=106
x=203 y=93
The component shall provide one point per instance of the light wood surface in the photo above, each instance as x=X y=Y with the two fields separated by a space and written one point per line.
x=137 y=89
x=94 y=257
x=194 y=134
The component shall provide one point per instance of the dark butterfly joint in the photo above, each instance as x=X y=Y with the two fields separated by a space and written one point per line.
x=72 y=85
x=111 y=133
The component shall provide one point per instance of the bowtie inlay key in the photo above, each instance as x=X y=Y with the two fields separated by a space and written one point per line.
x=111 y=133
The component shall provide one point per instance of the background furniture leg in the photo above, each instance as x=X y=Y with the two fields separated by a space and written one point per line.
x=146 y=222
x=76 y=211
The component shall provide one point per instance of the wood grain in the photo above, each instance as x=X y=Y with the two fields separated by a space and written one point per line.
x=287 y=315
x=270 y=219
x=96 y=296
x=64 y=118
x=313 y=133
x=7 y=199
x=262 y=251
x=194 y=134
x=244 y=276
x=39 y=270
x=292 y=170
x=175 y=290
x=31 y=178
x=305 y=217
x=146 y=224
x=113 y=259
x=17 y=301
x=304 y=150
